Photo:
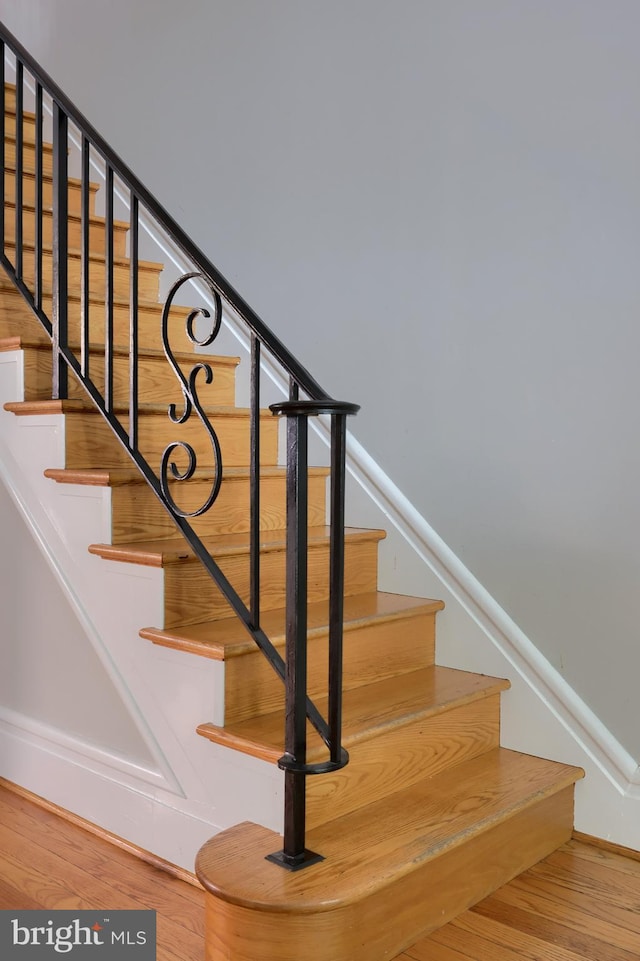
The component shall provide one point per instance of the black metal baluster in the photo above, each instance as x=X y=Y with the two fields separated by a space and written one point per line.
x=254 y=485
x=3 y=137
x=294 y=855
x=108 y=301
x=85 y=296
x=60 y=253
x=19 y=166
x=336 y=581
x=294 y=390
x=133 y=323
x=38 y=233
x=296 y=643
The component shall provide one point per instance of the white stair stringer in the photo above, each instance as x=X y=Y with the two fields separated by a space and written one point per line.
x=195 y=788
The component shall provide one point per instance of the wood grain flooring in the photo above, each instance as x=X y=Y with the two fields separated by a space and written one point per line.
x=581 y=903
x=48 y=862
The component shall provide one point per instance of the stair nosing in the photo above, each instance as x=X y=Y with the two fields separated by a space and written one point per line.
x=30 y=172
x=150 y=266
x=28 y=407
x=220 y=651
x=143 y=304
x=124 y=476
x=96 y=219
x=47 y=146
x=165 y=552
x=17 y=342
x=467 y=687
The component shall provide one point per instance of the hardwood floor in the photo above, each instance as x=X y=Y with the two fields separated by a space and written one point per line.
x=48 y=862
x=582 y=903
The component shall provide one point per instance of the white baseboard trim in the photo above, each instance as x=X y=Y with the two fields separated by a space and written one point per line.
x=42 y=736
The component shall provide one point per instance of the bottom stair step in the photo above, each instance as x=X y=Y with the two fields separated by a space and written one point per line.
x=393 y=871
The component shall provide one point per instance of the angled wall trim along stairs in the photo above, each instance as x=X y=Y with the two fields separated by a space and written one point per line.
x=622 y=769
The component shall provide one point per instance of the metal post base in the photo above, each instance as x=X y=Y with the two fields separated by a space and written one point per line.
x=304 y=860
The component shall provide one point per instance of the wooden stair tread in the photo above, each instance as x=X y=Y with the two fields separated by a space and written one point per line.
x=95 y=219
x=29 y=140
x=143 y=304
x=28 y=407
x=145 y=307
x=368 y=711
x=10 y=111
x=76 y=253
x=36 y=336
x=24 y=341
x=227 y=637
x=10 y=103
x=30 y=172
x=175 y=549
x=119 y=476
x=368 y=849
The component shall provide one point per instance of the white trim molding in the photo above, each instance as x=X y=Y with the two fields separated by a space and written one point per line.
x=75 y=750
x=101 y=790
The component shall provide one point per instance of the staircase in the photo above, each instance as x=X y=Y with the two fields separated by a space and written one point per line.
x=431 y=814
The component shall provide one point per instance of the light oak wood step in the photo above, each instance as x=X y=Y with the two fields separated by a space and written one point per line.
x=28 y=126
x=148 y=271
x=368 y=712
x=10 y=98
x=29 y=189
x=15 y=315
x=28 y=97
x=136 y=513
x=190 y=595
x=28 y=123
x=16 y=319
x=28 y=118
x=397 y=731
x=393 y=871
x=96 y=229
x=89 y=441
x=385 y=635
x=28 y=153
x=157 y=381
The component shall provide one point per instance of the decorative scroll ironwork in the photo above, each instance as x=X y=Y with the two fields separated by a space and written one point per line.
x=190 y=396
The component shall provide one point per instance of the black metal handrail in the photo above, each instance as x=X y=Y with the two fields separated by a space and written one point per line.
x=125 y=423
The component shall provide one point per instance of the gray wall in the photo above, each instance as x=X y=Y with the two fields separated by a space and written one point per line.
x=436 y=205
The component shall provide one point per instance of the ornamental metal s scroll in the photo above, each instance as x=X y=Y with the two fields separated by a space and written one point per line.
x=190 y=397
